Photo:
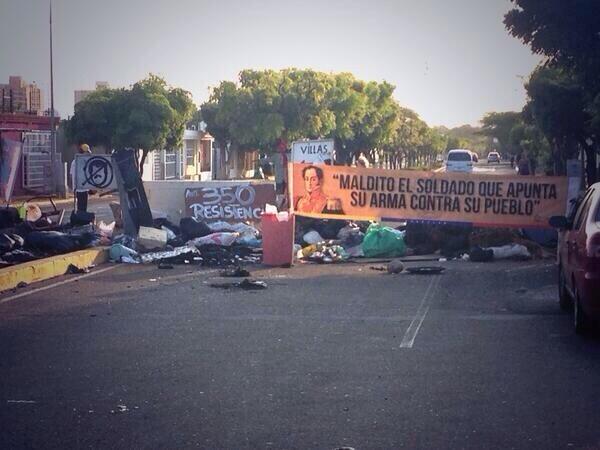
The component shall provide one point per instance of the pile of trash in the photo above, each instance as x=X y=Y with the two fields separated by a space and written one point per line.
x=28 y=235
x=330 y=241
x=214 y=244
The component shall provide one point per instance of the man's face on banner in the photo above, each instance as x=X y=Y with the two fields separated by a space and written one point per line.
x=312 y=183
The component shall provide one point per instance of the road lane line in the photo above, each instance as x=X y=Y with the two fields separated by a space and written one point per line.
x=59 y=283
x=415 y=325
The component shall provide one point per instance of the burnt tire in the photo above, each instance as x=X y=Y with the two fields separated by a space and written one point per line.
x=564 y=300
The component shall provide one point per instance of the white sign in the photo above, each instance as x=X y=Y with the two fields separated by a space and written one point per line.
x=94 y=172
x=314 y=152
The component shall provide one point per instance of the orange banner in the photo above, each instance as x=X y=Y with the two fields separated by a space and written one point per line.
x=340 y=192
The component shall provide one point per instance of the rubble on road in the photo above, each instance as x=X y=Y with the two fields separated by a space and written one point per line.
x=436 y=241
x=27 y=234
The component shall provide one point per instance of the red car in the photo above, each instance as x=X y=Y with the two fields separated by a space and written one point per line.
x=579 y=259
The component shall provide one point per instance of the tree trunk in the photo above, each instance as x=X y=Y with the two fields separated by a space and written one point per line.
x=142 y=161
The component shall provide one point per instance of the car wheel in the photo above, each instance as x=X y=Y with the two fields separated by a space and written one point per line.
x=564 y=300
x=581 y=321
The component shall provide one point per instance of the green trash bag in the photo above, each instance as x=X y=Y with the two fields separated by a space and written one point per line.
x=383 y=241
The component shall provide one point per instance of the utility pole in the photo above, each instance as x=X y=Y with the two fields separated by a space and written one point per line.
x=52 y=127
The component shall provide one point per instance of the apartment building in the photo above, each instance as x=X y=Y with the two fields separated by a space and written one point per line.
x=19 y=97
x=83 y=93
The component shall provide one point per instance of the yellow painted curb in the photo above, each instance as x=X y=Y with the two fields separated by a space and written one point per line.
x=43 y=269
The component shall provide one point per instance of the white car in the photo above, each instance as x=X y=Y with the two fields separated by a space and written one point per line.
x=493 y=157
x=459 y=160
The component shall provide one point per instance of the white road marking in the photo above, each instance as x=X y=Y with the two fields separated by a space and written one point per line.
x=415 y=325
x=59 y=283
x=21 y=401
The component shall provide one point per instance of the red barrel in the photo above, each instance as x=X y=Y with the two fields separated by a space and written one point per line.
x=277 y=240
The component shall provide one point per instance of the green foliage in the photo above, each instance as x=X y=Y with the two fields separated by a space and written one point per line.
x=148 y=116
x=564 y=93
x=565 y=31
x=292 y=104
x=466 y=136
x=498 y=125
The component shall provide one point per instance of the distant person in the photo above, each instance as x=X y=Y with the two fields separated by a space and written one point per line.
x=81 y=195
x=512 y=161
x=523 y=165
x=362 y=161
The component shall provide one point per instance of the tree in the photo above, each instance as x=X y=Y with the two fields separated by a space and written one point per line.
x=567 y=33
x=293 y=104
x=498 y=125
x=95 y=119
x=557 y=104
x=146 y=117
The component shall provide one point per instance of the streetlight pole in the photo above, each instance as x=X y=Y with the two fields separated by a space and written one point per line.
x=52 y=126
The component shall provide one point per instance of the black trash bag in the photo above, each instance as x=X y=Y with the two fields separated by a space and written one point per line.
x=79 y=218
x=18 y=256
x=455 y=240
x=162 y=222
x=478 y=254
x=43 y=222
x=55 y=242
x=7 y=243
x=192 y=228
x=329 y=228
x=423 y=238
x=9 y=217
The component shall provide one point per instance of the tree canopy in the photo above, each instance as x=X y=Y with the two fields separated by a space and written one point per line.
x=564 y=92
x=148 y=116
x=267 y=106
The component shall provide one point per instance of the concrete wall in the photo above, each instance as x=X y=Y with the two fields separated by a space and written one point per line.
x=167 y=198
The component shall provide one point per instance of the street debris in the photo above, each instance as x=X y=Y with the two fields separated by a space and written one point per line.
x=235 y=272
x=119 y=409
x=246 y=284
x=425 y=270
x=73 y=269
x=281 y=238
x=395 y=266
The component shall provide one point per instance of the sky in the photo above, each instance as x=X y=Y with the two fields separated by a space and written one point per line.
x=451 y=61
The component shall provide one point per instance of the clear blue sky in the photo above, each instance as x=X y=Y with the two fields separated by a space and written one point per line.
x=451 y=61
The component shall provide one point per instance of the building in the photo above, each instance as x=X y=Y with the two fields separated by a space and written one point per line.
x=194 y=160
x=81 y=94
x=19 y=97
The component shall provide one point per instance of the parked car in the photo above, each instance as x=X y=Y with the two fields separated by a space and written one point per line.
x=579 y=259
x=493 y=157
x=459 y=160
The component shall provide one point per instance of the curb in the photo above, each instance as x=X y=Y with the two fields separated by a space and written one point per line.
x=46 y=268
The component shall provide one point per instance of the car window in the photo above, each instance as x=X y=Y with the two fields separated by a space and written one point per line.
x=459 y=156
x=583 y=209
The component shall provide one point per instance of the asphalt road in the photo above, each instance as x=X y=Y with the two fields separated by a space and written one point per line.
x=327 y=356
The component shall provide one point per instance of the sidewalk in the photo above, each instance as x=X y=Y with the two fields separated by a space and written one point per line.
x=18 y=201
